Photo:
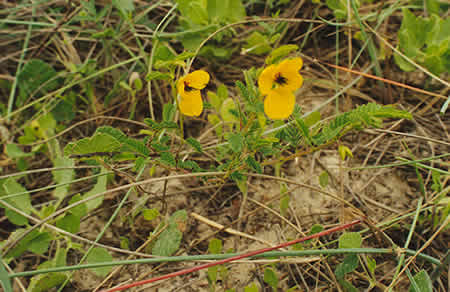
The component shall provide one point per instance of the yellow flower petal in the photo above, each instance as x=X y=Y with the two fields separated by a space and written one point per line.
x=279 y=104
x=191 y=103
x=282 y=76
x=266 y=79
x=197 y=79
x=291 y=64
x=188 y=87
x=289 y=70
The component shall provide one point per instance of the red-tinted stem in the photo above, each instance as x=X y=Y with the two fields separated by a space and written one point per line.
x=238 y=257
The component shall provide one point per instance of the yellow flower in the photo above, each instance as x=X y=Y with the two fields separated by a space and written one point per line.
x=189 y=87
x=279 y=82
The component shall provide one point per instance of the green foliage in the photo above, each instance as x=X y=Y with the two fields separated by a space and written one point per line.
x=37 y=78
x=425 y=41
x=169 y=240
x=150 y=214
x=257 y=44
x=106 y=140
x=236 y=142
x=323 y=179
x=350 y=240
x=339 y=7
x=422 y=282
x=368 y=115
x=195 y=144
x=16 y=195
x=5 y=281
x=44 y=282
x=99 y=255
x=202 y=17
x=34 y=241
x=99 y=187
x=348 y=265
x=63 y=176
x=271 y=278
x=279 y=53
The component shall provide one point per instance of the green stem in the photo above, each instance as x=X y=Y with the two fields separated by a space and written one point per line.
x=271 y=254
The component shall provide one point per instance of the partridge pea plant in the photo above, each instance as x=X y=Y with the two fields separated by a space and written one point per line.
x=261 y=125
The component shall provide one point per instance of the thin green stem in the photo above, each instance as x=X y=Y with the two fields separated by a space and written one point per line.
x=19 y=68
x=408 y=240
x=212 y=257
x=102 y=232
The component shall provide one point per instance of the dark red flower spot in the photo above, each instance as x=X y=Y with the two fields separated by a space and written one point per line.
x=280 y=80
x=188 y=88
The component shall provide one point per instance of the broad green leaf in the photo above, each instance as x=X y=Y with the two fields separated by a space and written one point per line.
x=99 y=187
x=271 y=278
x=128 y=144
x=212 y=51
x=63 y=111
x=251 y=288
x=125 y=6
x=215 y=120
x=169 y=110
x=348 y=287
x=5 y=280
x=432 y=6
x=350 y=240
x=212 y=275
x=226 y=109
x=371 y=264
x=215 y=101
x=63 y=176
x=193 y=11
x=222 y=92
x=168 y=242
x=179 y=219
x=13 y=151
x=403 y=63
x=279 y=53
x=45 y=282
x=423 y=282
x=255 y=165
x=100 y=142
x=39 y=244
x=195 y=144
x=163 y=53
x=37 y=78
x=323 y=179
x=257 y=44
x=316 y=228
x=80 y=210
x=156 y=75
x=69 y=223
x=215 y=246
x=150 y=214
x=99 y=255
x=348 y=265
x=312 y=119
x=167 y=158
x=223 y=11
x=236 y=142
x=284 y=204
x=21 y=202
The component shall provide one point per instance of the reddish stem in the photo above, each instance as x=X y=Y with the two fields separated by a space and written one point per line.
x=238 y=257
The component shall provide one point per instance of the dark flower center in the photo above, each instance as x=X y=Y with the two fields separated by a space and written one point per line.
x=280 y=80
x=187 y=88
